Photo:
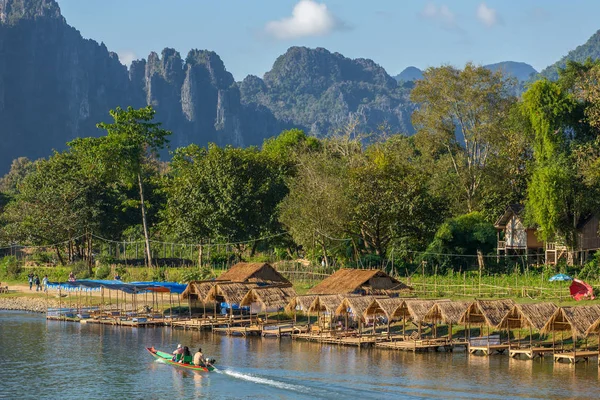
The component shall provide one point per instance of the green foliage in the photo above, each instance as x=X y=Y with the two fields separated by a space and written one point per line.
x=80 y=269
x=10 y=267
x=159 y=275
x=102 y=272
x=466 y=235
x=204 y=273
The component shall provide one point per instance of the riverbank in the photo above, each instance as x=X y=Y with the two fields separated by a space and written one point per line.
x=25 y=303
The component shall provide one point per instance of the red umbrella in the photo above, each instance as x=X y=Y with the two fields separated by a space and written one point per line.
x=581 y=290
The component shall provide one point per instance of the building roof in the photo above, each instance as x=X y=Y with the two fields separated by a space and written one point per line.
x=232 y=292
x=347 y=280
x=447 y=312
x=513 y=209
x=387 y=307
x=300 y=303
x=198 y=288
x=326 y=303
x=269 y=297
x=252 y=272
x=532 y=316
x=579 y=320
x=355 y=305
x=488 y=312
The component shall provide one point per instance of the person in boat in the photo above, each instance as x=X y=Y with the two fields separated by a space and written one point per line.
x=186 y=356
x=177 y=353
x=71 y=277
x=199 y=358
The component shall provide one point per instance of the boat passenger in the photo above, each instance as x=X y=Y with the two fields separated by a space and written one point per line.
x=177 y=353
x=199 y=358
x=71 y=277
x=186 y=356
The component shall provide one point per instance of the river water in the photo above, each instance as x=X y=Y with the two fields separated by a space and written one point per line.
x=64 y=360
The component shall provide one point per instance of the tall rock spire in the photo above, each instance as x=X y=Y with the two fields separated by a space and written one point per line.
x=12 y=11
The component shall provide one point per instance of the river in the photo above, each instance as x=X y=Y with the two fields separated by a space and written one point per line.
x=63 y=360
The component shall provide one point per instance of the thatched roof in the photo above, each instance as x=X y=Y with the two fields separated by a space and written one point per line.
x=300 y=303
x=447 y=312
x=416 y=309
x=198 y=288
x=356 y=306
x=326 y=303
x=578 y=320
x=232 y=292
x=387 y=307
x=269 y=297
x=345 y=281
x=532 y=316
x=489 y=312
x=253 y=272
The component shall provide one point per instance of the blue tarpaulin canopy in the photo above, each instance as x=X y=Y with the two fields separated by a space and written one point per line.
x=560 y=277
x=133 y=287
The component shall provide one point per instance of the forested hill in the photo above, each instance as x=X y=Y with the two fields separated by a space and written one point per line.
x=519 y=70
x=320 y=91
x=590 y=49
x=55 y=86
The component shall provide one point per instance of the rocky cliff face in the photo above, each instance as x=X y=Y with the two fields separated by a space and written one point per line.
x=60 y=85
x=322 y=91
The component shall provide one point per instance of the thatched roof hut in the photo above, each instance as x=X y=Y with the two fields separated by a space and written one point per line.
x=446 y=312
x=387 y=307
x=355 y=306
x=262 y=273
x=488 y=312
x=533 y=316
x=578 y=320
x=197 y=290
x=270 y=298
x=357 y=281
x=300 y=303
x=327 y=303
x=231 y=293
x=416 y=309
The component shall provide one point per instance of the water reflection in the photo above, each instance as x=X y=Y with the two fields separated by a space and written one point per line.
x=98 y=361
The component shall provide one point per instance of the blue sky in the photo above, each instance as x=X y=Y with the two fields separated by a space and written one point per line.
x=250 y=34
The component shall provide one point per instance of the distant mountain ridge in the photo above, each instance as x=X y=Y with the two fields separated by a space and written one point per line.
x=590 y=49
x=519 y=70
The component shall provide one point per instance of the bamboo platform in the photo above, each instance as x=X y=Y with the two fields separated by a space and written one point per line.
x=530 y=352
x=575 y=356
x=421 y=345
x=488 y=349
x=343 y=340
x=239 y=330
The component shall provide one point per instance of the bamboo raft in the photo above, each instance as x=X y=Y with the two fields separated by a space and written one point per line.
x=575 y=356
x=530 y=352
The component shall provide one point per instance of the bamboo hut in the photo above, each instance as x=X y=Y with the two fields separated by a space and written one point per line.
x=487 y=312
x=532 y=316
x=230 y=293
x=578 y=320
x=358 y=281
x=326 y=305
x=447 y=312
x=300 y=303
x=354 y=307
x=268 y=299
x=195 y=293
x=260 y=273
x=387 y=307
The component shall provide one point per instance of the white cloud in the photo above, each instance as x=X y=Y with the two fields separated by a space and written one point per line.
x=441 y=14
x=488 y=16
x=309 y=18
x=126 y=57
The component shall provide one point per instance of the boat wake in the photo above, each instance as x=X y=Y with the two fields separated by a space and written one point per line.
x=262 y=381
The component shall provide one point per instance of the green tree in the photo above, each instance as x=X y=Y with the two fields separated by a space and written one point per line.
x=132 y=140
x=226 y=194
x=460 y=239
x=19 y=169
x=552 y=192
x=470 y=103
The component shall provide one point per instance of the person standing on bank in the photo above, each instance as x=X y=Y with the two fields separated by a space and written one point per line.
x=36 y=279
x=45 y=283
x=30 y=279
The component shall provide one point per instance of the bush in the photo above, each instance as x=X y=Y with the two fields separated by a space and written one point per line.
x=159 y=275
x=43 y=258
x=221 y=258
x=197 y=275
x=102 y=272
x=80 y=269
x=11 y=267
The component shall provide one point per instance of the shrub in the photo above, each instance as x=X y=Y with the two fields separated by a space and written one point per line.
x=197 y=274
x=11 y=267
x=80 y=269
x=102 y=272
